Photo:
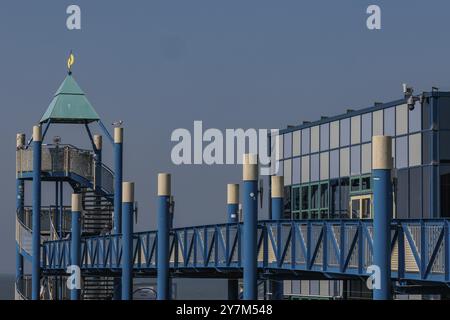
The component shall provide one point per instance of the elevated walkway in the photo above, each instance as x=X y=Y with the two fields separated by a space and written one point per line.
x=320 y=249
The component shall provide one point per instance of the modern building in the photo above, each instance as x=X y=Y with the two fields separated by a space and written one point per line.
x=327 y=164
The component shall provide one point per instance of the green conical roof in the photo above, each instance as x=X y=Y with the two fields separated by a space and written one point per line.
x=70 y=105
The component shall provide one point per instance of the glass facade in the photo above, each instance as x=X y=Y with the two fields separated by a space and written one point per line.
x=332 y=162
x=329 y=163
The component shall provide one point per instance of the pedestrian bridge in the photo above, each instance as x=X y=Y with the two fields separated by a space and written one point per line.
x=336 y=249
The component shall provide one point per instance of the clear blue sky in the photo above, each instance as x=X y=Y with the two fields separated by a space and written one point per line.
x=160 y=65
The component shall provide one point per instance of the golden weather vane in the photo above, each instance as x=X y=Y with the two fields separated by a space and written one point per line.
x=70 y=62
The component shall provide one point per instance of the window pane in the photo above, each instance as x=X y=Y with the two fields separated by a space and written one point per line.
x=315 y=196
x=401 y=119
x=287 y=203
x=344 y=162
x=444 y=150
x=389 y=121
x=324 y=195
x=324 y=172
x=287 y=172
x=415 y=149
x=334 y=164
x=296 y=171
x=305 y=169
x=305 y=141
x=427 y=172
x=344 y=195
x=295 y=199
x=355 y=184
x=345 y=132
x=315 y=167
x=314 y=287
x=356 y=130
x=305 y=198
x=415 y=119
x=401 y=158
x=444 y=173
x=378 y=123
x=427 y=143
x=415 y=189
x=296 y=143
x=279 y=169
x=393 y=153
x=355 y=160
x=315 y=139
x=334 y=134
x=367 y=127
x=444 y=112
x=402 y=188
x=288 y=145
x=366 y=158
x=365 y=183
x=334 y=193
x=324 y=137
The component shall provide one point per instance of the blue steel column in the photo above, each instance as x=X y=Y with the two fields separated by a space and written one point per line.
x=118 y=176
x=127 y=240
x=277 y=214
x=98 y=142
x=233 y=217
x=250 y=212
x=382 y=205
x=163 y=236
x=20 y=193
x=75 y=241
x=36 y=220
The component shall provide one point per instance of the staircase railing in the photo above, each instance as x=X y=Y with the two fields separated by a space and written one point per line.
x=23 y=288
x=107 y=176
x=66 y=159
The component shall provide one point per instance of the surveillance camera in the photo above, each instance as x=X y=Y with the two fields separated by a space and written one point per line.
x=405 y=88
x=411 y=103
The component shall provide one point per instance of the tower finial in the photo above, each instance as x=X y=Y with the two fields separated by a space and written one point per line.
x=70 y=62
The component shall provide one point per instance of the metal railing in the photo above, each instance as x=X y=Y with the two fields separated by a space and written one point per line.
x=420 y=248
x=23 y=288
x=65 y=159
x=107 y=176
x=57 y=158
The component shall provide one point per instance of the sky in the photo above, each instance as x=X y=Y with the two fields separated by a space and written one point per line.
x=161 y=65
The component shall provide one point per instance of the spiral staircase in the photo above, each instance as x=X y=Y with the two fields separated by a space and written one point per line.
x=95 y=182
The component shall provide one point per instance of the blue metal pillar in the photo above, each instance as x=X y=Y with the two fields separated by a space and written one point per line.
x=61 y=206
x=98 y=143
x=382 y=205
x=19 y=211
x=118 y=176
x=171 y=215
x=164 y=192
x=127 y=240
x=75 y=242
x=277 y=194
x=20 y=199
x=36 y=219
x=233 y=217
x=250 y=212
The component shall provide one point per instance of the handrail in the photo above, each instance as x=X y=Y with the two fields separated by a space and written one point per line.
x=66 y=159
x=19 y=284
x=331 y=246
